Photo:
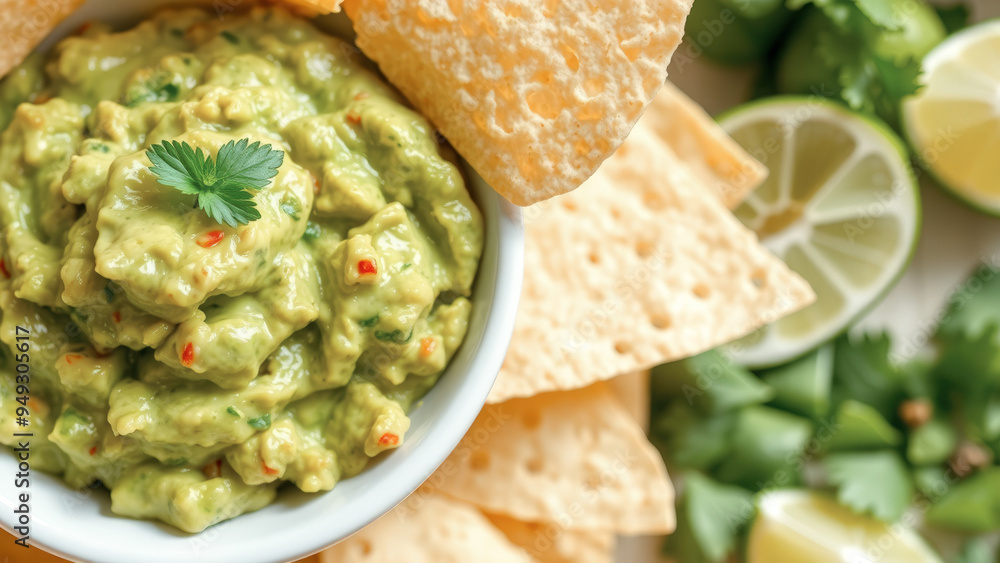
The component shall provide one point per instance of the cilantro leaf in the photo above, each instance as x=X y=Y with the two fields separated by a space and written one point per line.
x=223 y=187
x=803 y=386
x=689 y=439
x=767 y=450
x=859 y=426
x=976 y=550
x=710 y=515
x=955 y=17
x=877 y=483
x=262 y=422
x=712 y=382
x=931 y=443
x=863 y=372
x=972 y=505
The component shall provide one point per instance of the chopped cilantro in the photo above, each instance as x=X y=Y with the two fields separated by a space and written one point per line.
x=292 y=208
x=876 y=483
x=109 y=294
x=370 y=322
x=396 y=336
x=262 y=422
x=228 y=36
x=233 y=411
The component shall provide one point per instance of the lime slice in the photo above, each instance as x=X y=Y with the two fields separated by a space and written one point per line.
x=794 y=526
x=841 y=207
x=954 y=122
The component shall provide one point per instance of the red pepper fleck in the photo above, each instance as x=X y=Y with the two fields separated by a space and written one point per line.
x=116 y=316
x=187 y=356
x=93 y=450
x=427 y=347
x=353 y=118
x=388 y=439
x=361 y=95
x=3 y=268
x=84 y=28
x=213 y=470
x=366 y=267
x=316 y=186
x=70 y=358
x=268 y=470
x=210 y=239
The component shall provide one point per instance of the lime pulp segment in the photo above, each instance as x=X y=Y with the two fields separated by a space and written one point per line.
x=841 y=208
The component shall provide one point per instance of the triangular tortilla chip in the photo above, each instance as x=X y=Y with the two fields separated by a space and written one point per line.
x=632 y=389
x=436 y=529
x=24 y=23
x=575 y=459
x=713 y=157
x=640 y=266
x=535 y=95
x=548 y=543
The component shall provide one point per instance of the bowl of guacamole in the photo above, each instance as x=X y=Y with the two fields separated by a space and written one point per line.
x=250 y=298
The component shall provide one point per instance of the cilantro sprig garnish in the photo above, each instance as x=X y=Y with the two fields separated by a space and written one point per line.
x=224 y=186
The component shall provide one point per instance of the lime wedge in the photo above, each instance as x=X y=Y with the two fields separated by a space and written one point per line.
x=841 y=207
x=794 y=526
x=953 y=123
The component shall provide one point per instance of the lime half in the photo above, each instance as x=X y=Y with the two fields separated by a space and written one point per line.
x=953 y=123
x=794 y=526
x=841 y=207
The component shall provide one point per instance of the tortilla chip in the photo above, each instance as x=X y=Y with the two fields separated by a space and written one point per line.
x=632 y=389
x=315 y=7
x=24 y=23
x=575 y=459
x=548 y=543
x=641 y=266
x=534 y=94
x=714 y=157
x=441 y=530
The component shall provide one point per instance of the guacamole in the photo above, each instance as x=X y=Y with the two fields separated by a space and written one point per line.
x=193 y=367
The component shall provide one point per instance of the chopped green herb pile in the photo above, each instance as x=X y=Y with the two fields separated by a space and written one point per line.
x=884 y=431
x=865 y=53
x=224 y=187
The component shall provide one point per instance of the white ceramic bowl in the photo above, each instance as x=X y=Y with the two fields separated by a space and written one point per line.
x=80 y=526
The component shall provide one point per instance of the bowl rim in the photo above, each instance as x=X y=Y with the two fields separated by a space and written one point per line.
x=438 y=425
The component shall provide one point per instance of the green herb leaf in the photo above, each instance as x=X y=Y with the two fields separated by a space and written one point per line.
x=262 y=422
x=710 y=516
x=955 y=17
x=690 y=439
x=876 y=483
x=369 y=322
x=972 y=505
x=858 y=426
x=976 y=550
x=233 y=412
x=863 y=372
x=224 y=186
x=711 y=382
x=803 y=386
x=931 y=443
x=767 y=449
x=396 y=336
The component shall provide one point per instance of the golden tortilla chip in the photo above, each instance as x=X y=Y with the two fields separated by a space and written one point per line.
x=440 y=530
x=23 y=25
x=548 y=543
x=534 y=94
x=316 y=6
x=713 y=157
x=640 y=266
x=575 y=459
x=632 y=389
